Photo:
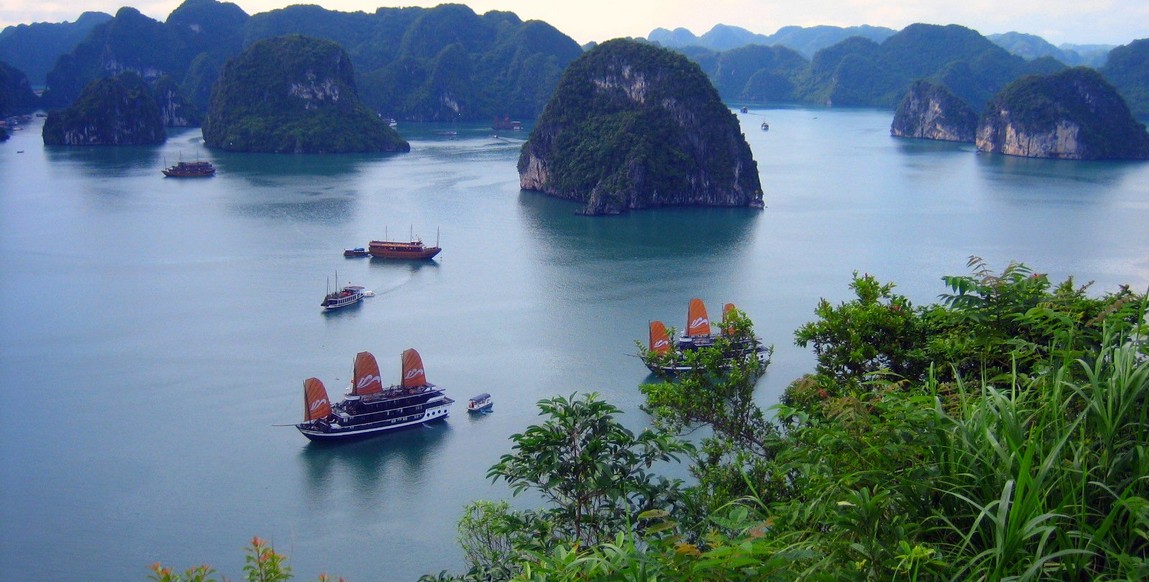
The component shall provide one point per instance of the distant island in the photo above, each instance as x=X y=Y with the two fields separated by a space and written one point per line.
x=1074 y=114
x=294 y=94
x=635 y=126
x=121 y=110
x=450 y=64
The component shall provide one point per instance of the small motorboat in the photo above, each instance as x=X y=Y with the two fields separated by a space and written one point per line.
x=480 y=403
x=356 y=252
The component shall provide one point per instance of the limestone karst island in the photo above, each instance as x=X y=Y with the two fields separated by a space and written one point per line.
x=632 y=126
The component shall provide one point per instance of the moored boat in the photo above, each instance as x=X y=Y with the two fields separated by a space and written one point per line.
x=480 y=403
x=369 y=408
x=190 y=170
x=413 y=249
x=356 y=252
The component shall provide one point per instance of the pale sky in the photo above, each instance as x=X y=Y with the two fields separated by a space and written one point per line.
x=1113 y=22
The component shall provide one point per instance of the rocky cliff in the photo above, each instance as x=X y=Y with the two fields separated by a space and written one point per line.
x=930 y=111
x=120 y=110
x=293 y=94
x=635 y=126
x=1075 y=114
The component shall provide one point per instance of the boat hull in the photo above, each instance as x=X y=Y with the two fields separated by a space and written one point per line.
x=335 y=432
x=410 y=251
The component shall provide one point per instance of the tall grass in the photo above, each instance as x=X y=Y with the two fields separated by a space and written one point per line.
x=1046 y=478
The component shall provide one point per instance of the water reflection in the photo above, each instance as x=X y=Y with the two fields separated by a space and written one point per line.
x=653 y=233
x=108 y=161
x=371 y=464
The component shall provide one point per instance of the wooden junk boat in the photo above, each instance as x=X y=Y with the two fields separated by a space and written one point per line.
x=369 y=408
x=413 y=249
x=190 y=170
x=663 y=357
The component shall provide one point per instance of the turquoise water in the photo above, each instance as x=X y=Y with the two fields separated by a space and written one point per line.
x=153 y=332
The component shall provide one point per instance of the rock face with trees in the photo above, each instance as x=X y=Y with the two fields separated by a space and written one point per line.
x=1075 y=114
x=636 y=126
x=930 y=111
x=121 y=110
x=294 y=94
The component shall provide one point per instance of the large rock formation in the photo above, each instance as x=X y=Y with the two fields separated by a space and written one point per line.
x=631 y=126
x=120 y=110
x=294 y=94
x=1075 y=114
x=930 y=111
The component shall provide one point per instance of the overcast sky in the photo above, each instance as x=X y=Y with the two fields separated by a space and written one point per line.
x=1112 y=22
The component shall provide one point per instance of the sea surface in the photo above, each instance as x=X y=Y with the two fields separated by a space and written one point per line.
x=155 y=333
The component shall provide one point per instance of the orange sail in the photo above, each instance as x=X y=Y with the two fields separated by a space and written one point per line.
x=659 y=340
x=315 y=402
x=367 y=380
x=697 y=323
x=413 y=374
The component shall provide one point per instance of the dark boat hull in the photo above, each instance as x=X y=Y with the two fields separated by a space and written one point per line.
x=335 y=432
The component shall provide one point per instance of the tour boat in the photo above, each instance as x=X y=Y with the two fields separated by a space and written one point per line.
x=190 y=170
x=411 y=250
x=356 y=252
x=369 y=408
x=480 y=403
x=348 y=295
x=663 y=357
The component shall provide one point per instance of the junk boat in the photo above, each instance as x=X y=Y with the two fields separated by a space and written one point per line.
x=369 y=408
x=480 y=403
x=348 y=295
x=190 y=170
x=410 y=250
x=667 y=359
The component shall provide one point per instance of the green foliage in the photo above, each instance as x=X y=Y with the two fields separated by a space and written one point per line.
x=261 y=564
x=1127 y=67
x=1038 y=472
x=592 y=471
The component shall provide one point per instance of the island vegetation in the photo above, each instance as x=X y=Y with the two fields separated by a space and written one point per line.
x=996 y=434
x=1074 y=114
x=294 y=94
x=636 y=126
x=121 y=110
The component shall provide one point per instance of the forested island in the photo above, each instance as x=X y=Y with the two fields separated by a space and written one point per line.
x=635 y=126
x=121 y=110
x=294 y=94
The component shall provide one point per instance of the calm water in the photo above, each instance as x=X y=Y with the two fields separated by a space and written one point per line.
x=153 y=332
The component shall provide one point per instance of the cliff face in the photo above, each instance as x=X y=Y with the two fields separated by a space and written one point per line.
x=117 y=111
x=293 y=94
x=635 y=126
x=930 y=111
x=1071 y=115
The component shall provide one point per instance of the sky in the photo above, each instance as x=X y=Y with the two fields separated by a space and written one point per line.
x=1111 y=22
